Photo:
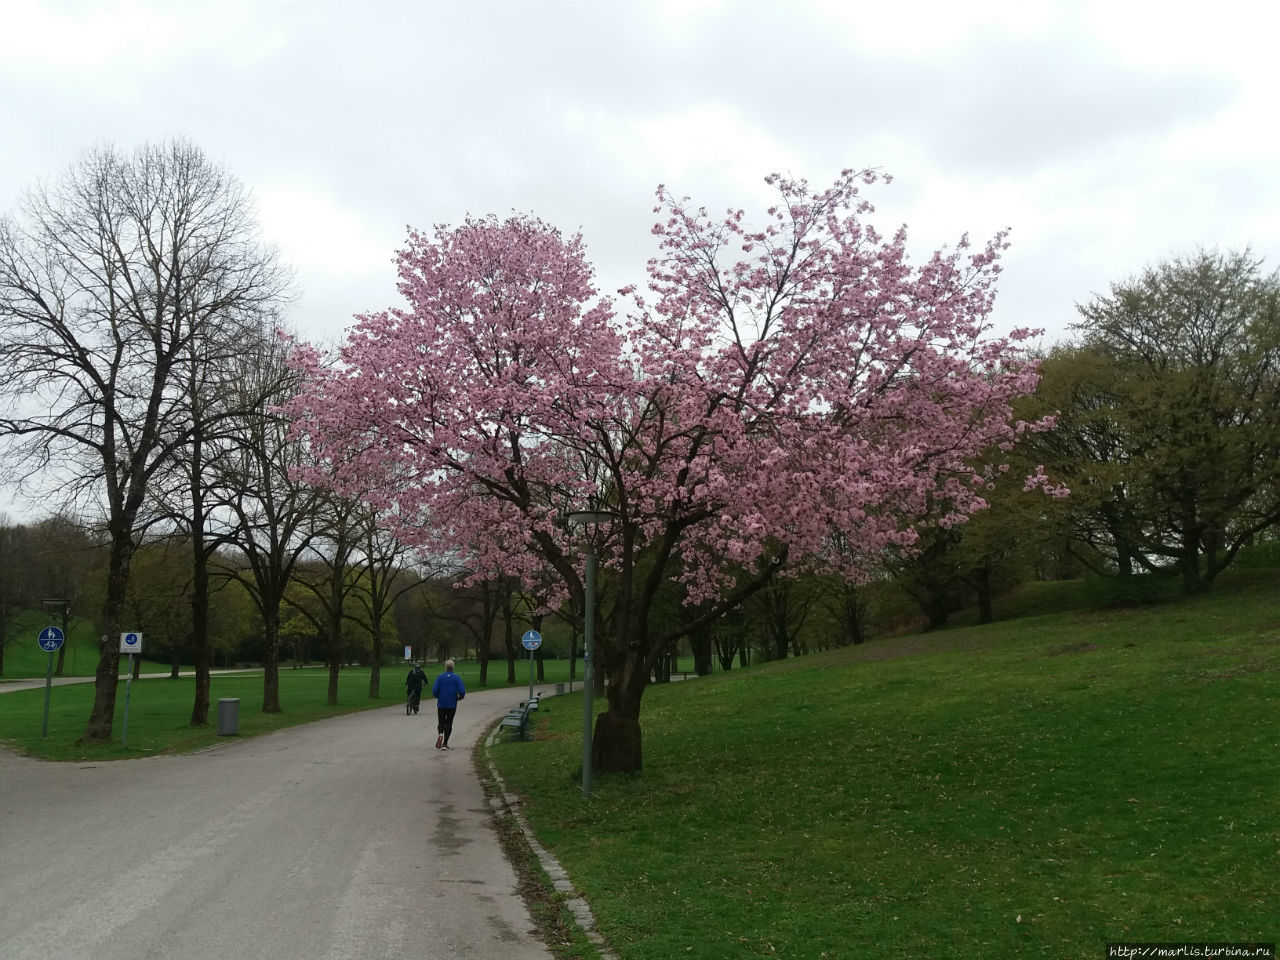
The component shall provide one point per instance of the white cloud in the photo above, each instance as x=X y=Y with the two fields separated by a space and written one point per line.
x=130 y=37
x=1107 y=134
x=319 y=233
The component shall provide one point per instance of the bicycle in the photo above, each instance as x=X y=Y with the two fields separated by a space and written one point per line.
x=411 y=702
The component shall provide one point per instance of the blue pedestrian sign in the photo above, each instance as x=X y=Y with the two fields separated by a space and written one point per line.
x=130 y=642
x=51 y=638
x=532 y=640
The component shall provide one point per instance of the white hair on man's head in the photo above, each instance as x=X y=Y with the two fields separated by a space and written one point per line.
x=448 y=664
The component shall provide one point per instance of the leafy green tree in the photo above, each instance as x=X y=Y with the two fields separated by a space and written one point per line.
x=1177 y=397
x=67 y=569
x=298 y=631
x=158 y=602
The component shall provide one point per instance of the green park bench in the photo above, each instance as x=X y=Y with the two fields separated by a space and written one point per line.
x=520 y=718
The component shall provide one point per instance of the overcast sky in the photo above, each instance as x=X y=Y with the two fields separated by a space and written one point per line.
x=1106 y=135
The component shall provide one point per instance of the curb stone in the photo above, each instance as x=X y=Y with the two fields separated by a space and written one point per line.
x=506 y=802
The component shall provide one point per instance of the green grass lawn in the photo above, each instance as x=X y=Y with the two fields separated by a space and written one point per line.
x=1031 y=788
x=160 y=712
x=160 y=709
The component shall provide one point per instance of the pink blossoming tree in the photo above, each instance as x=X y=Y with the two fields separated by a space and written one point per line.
x=778 y=383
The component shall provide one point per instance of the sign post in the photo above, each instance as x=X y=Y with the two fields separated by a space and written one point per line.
x=532 y=640
x=130 y=643
x=50 y=640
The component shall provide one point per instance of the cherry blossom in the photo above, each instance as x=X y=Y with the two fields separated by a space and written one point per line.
x=777 y=383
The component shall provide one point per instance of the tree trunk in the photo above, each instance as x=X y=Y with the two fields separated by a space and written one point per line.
x=536 y=624
x=199 y=586
x=107 y=675
x=334 y=667
x=1192 y=582
x=982 y=587
x=1214 y=563
x=700 y=643
x=852 y=611
x=662 y=669
x=375 y=668
x=986 y=613
x=616 y=745
x=333 y=610
x=509 y=645
x=935 y=602
x=333 y=654
x=271 y=665
x=726 y=650
x=781 y=641
x=202 y=657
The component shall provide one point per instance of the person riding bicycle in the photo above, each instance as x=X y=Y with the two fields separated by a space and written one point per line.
x=416 y=680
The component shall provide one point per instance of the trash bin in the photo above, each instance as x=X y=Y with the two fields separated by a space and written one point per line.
x=229 y=717
x=559 y=689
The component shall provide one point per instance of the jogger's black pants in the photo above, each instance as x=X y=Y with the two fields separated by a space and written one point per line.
x=445 y=724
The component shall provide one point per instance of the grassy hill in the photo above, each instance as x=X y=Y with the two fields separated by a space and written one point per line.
x=23 y=656
x=1032 y=788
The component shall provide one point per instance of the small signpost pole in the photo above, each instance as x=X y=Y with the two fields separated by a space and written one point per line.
x=531 y=640
x=50 y=640
x=130 y=643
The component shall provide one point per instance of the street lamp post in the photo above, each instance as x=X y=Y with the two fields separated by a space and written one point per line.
x=588 y=519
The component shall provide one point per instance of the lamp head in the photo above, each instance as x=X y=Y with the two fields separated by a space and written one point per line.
x=588 y=518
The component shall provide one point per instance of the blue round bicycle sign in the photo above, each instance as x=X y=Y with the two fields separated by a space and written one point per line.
x=532 y=640
x=51 y=639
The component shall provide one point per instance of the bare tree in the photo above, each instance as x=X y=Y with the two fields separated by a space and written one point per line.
x=270 y=509
x=384 y=578
x=475 y=608
x=782 y=609
x=329 y=578
x=230 y=378
x=109 y=279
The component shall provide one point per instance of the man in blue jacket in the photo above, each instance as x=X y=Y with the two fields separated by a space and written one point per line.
x=448 y=690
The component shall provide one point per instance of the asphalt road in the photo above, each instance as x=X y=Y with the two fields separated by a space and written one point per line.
x=348 y=838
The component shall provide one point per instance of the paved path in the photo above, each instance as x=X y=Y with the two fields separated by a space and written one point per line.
x=348 y=838
x=32 y=683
